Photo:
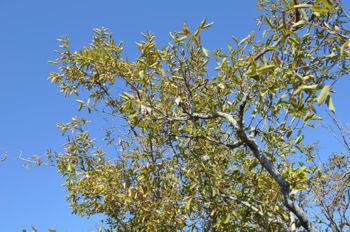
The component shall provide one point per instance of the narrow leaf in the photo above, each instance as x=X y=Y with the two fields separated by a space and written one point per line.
x=324 y=94
x=330 y=104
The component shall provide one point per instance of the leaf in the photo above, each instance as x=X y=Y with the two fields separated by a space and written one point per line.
x=181 y=38
x=227 y=218
x=188 y=204
x=330 y=104
x=299 y=24
x=319 y=9
x=324 y=94
x=208 y=25
x=266 y=68
x=244 y=40
x=342 y=48
x=178 y=101
x=302 y=6
x=299 y=139
x=127 y=155
x=307 y=77
x=235 y=39
x=127 y=96
x=305 y=87
x=172 y=36
x=205 y=52
x=142 y=74
x=267 y=20
x=328 y=4
x=202 y=24
x=185 y=29
x=310 y=87
x=221 y=86
x=193 y=186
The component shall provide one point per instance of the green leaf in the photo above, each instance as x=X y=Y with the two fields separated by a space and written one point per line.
x=244 y=40
x=324 y=94
x=267 y=20
x=266 y=68
x=299 y=24
x=305 y=87
x=142 y=74
x=328 y=4
x=330 y=105
x=127 y=96
x=235 y=39
x=319 y=9
x=205 y=52
x=299 y=139
x=342 y=48
x=310 y=87
x=227 y=218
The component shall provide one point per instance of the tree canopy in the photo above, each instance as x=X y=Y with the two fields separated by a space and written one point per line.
x=213 y=139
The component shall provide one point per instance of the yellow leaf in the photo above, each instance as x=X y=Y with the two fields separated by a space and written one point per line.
x=266 y=68
x=227 y=218
x=205 y=52
x=330 y=104
x=324 y=94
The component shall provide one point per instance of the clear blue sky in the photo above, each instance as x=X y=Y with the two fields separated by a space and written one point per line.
x=31 y=106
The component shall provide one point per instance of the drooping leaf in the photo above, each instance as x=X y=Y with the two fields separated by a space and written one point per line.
x=323 y=94
x=330 y=104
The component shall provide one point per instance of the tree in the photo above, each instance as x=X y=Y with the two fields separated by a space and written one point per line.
x=206 y=149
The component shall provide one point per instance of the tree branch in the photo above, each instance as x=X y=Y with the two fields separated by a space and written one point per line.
x=208 y=138
x=256 y=210
x=264 y=161
x=268 y=166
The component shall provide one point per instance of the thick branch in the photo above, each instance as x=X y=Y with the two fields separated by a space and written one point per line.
x=264 y=161
x=268 y=166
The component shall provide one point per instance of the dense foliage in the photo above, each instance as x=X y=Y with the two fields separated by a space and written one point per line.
x=210 y=149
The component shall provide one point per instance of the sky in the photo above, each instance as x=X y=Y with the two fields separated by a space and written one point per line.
x=31 y=106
